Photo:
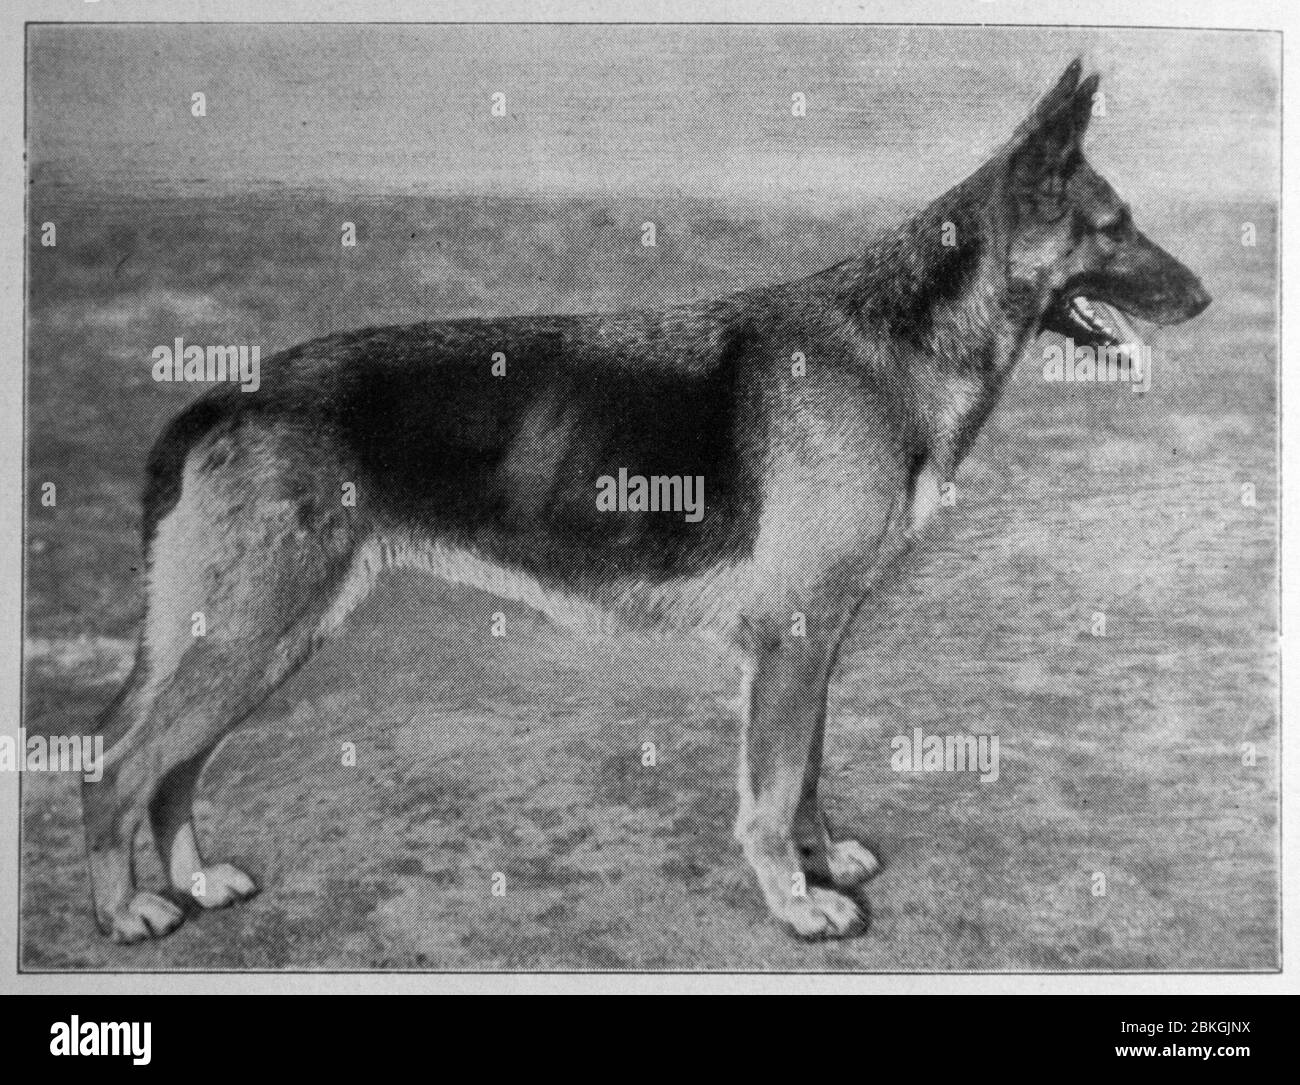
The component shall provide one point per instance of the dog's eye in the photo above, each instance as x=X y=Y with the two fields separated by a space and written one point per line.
x=1114 y=228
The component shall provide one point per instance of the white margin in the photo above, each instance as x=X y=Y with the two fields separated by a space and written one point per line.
x=1242 y=14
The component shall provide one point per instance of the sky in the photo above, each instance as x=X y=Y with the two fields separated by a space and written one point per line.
x=701 y=110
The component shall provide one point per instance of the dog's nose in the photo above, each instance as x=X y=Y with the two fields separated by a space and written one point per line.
x=1198 y=300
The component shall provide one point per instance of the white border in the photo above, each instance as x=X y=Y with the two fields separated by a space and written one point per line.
x=1242 y=14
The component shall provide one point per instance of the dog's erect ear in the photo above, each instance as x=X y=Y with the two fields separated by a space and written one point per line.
x=1053 y=101
x=1046 y=147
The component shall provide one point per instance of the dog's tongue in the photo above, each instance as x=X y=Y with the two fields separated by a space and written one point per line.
x=1117 y=320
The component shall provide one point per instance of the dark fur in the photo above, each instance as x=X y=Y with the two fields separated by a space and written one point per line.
x=908 y=347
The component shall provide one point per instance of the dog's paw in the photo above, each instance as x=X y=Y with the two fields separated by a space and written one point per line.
x=822 y=913
x=219 y=886
x=146 y=915
x=850 y=864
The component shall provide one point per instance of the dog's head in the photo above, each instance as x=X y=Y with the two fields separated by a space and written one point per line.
x=1073 y=253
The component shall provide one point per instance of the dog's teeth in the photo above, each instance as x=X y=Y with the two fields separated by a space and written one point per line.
x=1082 y=313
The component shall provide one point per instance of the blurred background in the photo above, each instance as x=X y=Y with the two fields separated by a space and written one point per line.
x=691 y=110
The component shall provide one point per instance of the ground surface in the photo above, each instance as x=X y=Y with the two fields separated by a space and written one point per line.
x=522 y=754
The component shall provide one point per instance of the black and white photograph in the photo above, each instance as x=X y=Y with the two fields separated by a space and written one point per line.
x=542 y=496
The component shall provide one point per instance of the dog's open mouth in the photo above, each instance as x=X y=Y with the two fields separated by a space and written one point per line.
x=1089 y=323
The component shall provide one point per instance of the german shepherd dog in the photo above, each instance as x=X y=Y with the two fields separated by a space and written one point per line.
x=819 y=477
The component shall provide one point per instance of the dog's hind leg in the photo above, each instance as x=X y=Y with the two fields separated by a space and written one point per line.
x=210 y=694
x=785 y=713
x=110 y=829
x=244 y=573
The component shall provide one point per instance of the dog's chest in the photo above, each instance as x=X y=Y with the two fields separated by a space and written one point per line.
x=950 y=415
x=952 y=409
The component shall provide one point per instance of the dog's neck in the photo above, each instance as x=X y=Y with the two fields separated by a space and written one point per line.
x=938 y=286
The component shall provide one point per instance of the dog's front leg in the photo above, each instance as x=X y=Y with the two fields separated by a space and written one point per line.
x=784 y=717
